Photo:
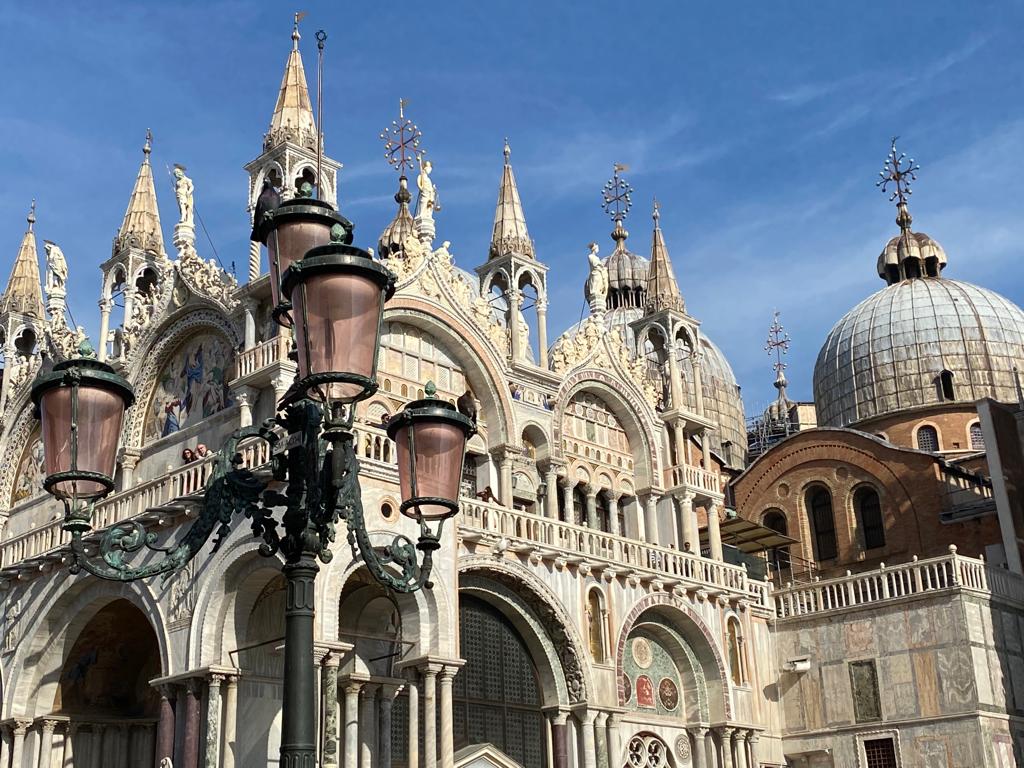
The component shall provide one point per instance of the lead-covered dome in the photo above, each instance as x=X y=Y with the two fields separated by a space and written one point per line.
x=889 y=352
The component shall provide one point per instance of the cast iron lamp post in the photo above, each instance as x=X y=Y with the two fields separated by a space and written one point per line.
x=333 y=294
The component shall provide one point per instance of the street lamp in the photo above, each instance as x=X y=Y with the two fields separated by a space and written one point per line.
x=334 y=296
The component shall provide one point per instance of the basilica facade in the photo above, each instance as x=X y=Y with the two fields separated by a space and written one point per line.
x=621 y=586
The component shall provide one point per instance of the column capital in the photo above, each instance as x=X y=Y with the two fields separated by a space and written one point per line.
x=390 y=691
x=369 y=690
x=753 y=736
x=49 y=725
x=19 y=726
x=216 y=678
x=725 y=731
x=698 y=731
x=558 y=716
x=71 y=727
x=601 y=719
x=587 y=716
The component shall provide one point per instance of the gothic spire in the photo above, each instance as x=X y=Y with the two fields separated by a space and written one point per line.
x=293 y=114
x=141 y=225
x=24 y=294
x=662 y=289
x=509 y=234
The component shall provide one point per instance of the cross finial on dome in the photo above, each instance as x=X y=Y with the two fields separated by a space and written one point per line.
x=777 y=344
x=299 y=16
x=617 y=199
x=898 y=171
x=401 y=141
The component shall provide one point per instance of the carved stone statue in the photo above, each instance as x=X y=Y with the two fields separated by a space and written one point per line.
x=427 y=202
x=597 y=283
x=183 y=189
x=166 y=763
x=56 y=268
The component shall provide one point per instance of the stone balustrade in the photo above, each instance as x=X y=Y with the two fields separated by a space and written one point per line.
x=263 y=355
x=694 y=478
x=918 y=577
x=143 y=498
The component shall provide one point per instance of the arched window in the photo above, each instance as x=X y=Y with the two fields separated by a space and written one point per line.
x=497 y=696
x=823 y=524
x=595 y=625
x=869 y=513
x=735 y=651
x=977 y=437
x=928 y=438
x=776 y=521
x=946 y=385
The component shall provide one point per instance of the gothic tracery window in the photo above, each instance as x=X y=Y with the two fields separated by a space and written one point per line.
x=646 y=752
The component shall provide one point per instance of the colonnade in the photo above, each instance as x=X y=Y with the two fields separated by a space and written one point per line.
x=76 y=742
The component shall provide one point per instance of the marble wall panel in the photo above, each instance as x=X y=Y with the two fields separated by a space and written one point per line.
x=897 y=688
x=835 y=681
x=956 y=678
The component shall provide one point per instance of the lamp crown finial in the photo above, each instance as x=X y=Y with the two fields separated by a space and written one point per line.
x=430 y=389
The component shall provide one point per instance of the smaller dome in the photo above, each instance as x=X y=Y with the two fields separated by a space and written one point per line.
x=908 y=252
x=394 y=234
x=627 y=278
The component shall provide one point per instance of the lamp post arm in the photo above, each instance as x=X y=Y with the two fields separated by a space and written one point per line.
x=230 y=490
x=394 y=565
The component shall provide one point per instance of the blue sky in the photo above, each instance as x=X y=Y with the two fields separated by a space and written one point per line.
x=759 y=126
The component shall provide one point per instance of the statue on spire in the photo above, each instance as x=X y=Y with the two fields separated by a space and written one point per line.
x=427 y=203
x=597 y=282
x=183 y=191
x=56 y=269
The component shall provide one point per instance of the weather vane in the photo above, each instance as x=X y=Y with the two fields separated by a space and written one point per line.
x=402 y=141
x=898 y=171
x=778 y=343
x=617 y=194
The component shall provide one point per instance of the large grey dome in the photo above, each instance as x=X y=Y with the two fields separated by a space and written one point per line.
x=888 y=353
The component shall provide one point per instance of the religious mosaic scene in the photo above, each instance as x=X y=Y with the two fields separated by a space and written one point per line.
x=633 y=567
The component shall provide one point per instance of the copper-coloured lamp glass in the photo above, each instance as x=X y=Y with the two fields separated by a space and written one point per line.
x=337 y=293
x=431 y=436
x=292 y=229
x=81 y=406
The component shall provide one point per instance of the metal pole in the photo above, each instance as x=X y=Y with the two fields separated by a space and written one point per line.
x=298 y=728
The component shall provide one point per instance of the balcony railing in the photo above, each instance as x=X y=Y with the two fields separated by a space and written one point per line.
x=950 y=571
x=695 y=478
x=262 y=356
x=151 y=495
x=579 y=543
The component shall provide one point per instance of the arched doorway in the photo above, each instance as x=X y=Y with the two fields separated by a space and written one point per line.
x=497 y=695
x=104 y=690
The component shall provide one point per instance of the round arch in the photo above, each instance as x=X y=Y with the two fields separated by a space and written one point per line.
x=51 y=633
x=627 y=408
x=533 y=432
x=538 y=616
x=690 y=626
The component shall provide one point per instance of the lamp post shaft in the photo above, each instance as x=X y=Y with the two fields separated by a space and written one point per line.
x=298 y=737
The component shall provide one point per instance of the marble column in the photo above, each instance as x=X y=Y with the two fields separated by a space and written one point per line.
x=5 y=746
x=615 y=740
x=700 y=759
x=698 y=385
x=429 y=717
x=725 y=735
x=711 y=749
x=124 y=737
x=679 y=435
x=592 y=521
x=739 y=750
x=413 y=688
x=637 y=512
x=568 y=500
x=559 y=740
x=18 y=731
x=329 y=708
x=254 y=261
x=211 y=750
x=613 y=514
x=367 y=725
x=589 y=748
x=653 y=531
x=352 y=723
x=715 y=530
x=505 y=479
x=447 y=678
x=46 y=728
x=249 y=308
x=601 y=739
x=229 y=738
x=542 y=332
x=752 y=738
x=70 y=736
x=165 y=726
x=705 y=449
x=190 y=740
x=101 y=349
x=96 y=746
x=387 y=701
x=689 y=519
x=551 y=496
x=514 y=302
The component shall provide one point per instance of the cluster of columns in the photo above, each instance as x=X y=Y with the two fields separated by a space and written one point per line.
x=734 y=748
x=76 y=743
x=357 y=715
x=689 y=530
x=598 y=738
x=181 y=734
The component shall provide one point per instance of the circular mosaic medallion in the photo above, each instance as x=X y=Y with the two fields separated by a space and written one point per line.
x=683 y=747
x=668 y=693
x=642 y=653
x=783 y=490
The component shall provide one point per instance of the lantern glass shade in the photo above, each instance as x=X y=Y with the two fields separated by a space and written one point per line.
x=337 y=294
x=81 y=406
x=289 y=243
x=430 y=437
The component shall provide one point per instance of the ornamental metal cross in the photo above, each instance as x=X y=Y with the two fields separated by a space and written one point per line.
x=899 y=173
x=778 y=343
x=617 y=194
x=401 y=141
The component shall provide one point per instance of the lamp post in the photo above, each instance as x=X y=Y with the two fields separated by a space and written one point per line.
x=333 y=294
